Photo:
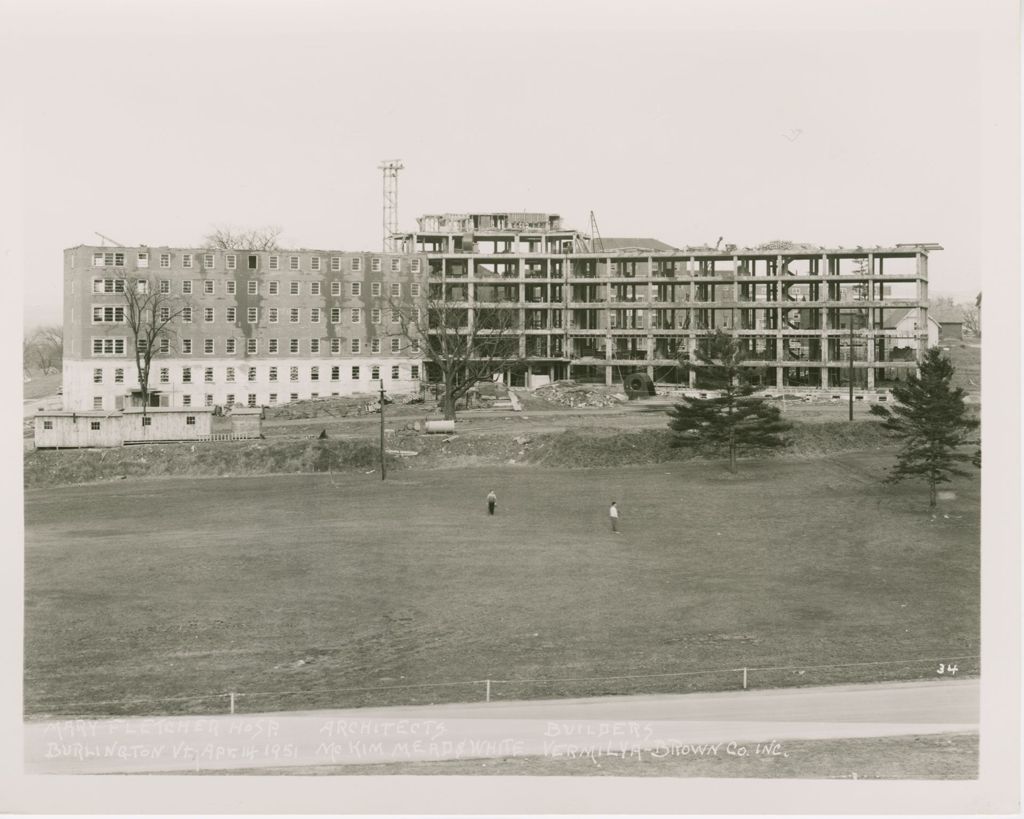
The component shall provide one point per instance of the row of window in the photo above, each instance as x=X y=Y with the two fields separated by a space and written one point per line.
x=273 y=288
x=117 y=346
x=231 y=261
x=115 y=314
x=231 y=374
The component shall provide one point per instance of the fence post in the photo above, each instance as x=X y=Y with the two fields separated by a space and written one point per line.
x=232 y=696
x=487 y=695
x=744 y=678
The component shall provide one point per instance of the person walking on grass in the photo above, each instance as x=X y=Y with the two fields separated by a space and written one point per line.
x=613 y=514
x=492 y=499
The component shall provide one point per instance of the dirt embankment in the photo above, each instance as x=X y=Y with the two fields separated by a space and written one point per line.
x=411 y=450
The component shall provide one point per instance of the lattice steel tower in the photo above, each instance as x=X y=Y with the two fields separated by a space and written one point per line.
x=390 y=168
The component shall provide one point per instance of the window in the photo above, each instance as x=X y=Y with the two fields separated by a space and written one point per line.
x=396 y=345
x=186 y=400
x=396 y=289
x=273 y=288
x=94 y=425
x=396 y=265
x=186 y=260
x=357 y=265
x=336 y=263
x=190 y=420
x=186 y=287
x=314 y=315
x=97 y=376
x=254 y=262
x=275 y=263
x=208 y=314
x=251 y=399
x=108 y=285
x=394 y=372
x=186 y=346
x=375 y=373
x=293 y=345
x=335 y=373
x=314 y=346
x=272 y=345
x=186 y=375
x=375 y=265
x=147 y=420
x=165 y=260
x=208 y=287
x=252 y=314
x=357 y=288
x=165 y=375
x=414 y=345
x=357 y=315
x=293 y=288
x=375 y=315
x=273 y=398
x=314 y=264
x=335 y=288
x=230 y=377
x=314 y=373
x=208 y=400
x=109 y=315
x=414 y=266
x=355 y=373
x=272 y=315
x=335 y=345
x=293 y=262
x=314 y=288
x=252 y=346
x=208 y=346
x=231 y=314
x=252 y=373
x=374 y=345
x=141 y=344
x=142 y=260
x=119 y=375
x=375 y=288
x=229 y=346
x=230 y=401
x=414 y=289
x=355 y=345
x=207 y=260
x=335 y=315
x=232 y=261
x=208 y=375
x=252 y=287
x=165 y=286
x=396 y=316
x=293 y=373
x=293 y=396
x=186 y=315
x=414 y=371
x=230 y=287
x=104 y=259
x=165 y=345
x=141 y=286
x=273 y=373
x=293 y=315
x=49 y=424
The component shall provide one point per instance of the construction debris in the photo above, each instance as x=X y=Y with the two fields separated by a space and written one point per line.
x=571 y=394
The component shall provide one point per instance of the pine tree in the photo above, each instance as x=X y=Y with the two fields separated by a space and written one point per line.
x=734 y=419
x=933 y=422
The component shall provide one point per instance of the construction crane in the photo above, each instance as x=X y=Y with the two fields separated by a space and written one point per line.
x=390 y=169
x=105 y=239
x=595 y=233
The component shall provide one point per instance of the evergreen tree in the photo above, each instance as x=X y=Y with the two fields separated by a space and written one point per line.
x=932 y=420
x=733 y=419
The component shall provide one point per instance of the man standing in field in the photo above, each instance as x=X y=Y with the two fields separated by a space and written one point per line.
x=492 y=499
x=613 y=514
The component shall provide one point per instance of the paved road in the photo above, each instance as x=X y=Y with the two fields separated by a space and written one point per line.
x=500 y=729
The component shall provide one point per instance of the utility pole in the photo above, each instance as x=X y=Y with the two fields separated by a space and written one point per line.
x=383 y=467
x=851 y=367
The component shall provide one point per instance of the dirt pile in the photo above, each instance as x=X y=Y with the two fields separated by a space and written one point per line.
x=571 y=394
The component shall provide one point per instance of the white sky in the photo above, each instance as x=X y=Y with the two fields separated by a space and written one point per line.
x=150 y=122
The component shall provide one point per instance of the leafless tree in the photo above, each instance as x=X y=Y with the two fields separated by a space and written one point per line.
x=464 y=346
x=226 y=237
x=148 y=314
x=44 y=347
x=972 y=317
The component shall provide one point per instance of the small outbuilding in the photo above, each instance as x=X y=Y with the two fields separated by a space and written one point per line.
x=72 y=430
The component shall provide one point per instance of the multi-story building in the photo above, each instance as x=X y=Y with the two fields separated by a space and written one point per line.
x=264 y=327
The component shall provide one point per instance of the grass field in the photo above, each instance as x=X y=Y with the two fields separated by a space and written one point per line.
x=305 y=585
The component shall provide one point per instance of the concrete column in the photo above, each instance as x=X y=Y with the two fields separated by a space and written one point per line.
x=778 y=377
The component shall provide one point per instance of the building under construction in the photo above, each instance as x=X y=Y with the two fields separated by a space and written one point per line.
x=264 y=327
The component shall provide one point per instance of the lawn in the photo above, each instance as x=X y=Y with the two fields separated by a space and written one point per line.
x=292 y=589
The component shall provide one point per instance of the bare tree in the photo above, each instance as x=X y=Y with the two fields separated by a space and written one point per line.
x=226 y=237
x=465 y=346
x=148 y=313
x=44 y=347
x=972 y=317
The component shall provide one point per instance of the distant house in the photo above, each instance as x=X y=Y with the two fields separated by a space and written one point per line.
x=907 y=324
x=951 y=322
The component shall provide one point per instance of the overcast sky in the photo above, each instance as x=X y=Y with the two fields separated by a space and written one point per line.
x=836 y=123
